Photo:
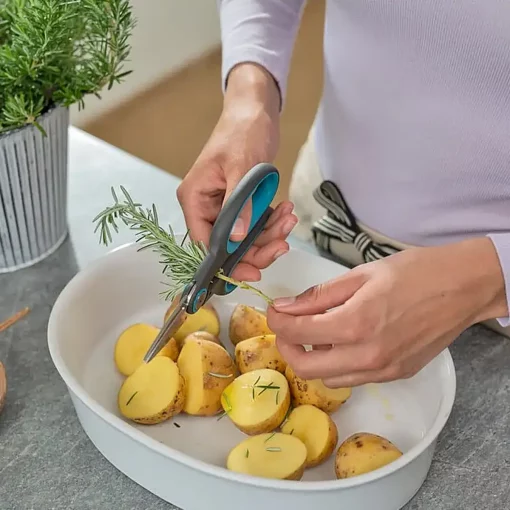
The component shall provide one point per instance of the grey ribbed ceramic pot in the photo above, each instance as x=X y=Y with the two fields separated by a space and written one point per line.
x=33 y=191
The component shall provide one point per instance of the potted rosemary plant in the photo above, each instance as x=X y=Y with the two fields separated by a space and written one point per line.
x=52 y=54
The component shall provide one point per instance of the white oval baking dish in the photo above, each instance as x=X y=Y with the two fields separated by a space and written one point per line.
x=185 y=465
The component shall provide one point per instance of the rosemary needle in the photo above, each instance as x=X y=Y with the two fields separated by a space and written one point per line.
x=131 y=398
x=270 y=437
x=220 y=376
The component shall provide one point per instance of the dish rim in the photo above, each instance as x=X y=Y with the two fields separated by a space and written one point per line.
x=73 y=286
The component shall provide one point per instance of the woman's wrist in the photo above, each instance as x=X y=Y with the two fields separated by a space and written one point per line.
x=480 y=269
x=251 y=85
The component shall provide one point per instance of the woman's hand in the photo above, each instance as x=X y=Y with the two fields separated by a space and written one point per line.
x=386 y=320
x=246 y=134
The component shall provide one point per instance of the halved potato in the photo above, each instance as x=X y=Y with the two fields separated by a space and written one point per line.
x=202 y=335
x=207 y=369
x=259 y=352
x=153 y=393
x=279 y=456
x=134 y=342
x=314 y=392
x=247 y=322
x=206 y=319
x=257 y=401
x=364 y=452
x=315 y=429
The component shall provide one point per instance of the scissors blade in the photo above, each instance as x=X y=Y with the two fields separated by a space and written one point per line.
x=174 y=322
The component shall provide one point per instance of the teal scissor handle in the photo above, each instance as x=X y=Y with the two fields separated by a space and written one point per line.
x=260 y=184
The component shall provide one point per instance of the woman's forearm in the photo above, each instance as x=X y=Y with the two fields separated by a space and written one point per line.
x=261 y=33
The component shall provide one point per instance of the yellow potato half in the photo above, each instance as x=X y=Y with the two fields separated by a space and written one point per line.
x=134 y=342
x=362 y=453
x=153 y=393
x=207 y=369
x=277 y=456
x=314 y=392
x=259 y=352
x=206 y=319
x=257 y=402
x=247 y=322
x=315 y=429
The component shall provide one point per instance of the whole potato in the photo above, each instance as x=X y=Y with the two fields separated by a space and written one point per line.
x=247 y=322
x=364 y=452
x=315 y=393
x=259 y=352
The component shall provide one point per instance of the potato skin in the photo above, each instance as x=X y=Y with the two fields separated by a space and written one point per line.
x=215 y=359
x=259 y=352
x=184 y=330
x=172 y=348
x=247 y=322
x=202 y=335
x=175 y=407
x=298 y=474
x=313 y=392
x=364 y=452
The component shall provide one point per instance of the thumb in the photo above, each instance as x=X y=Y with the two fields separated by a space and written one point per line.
x=322 y=297
x=240 y=229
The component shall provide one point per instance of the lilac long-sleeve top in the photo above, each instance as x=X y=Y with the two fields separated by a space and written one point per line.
x=414 y=120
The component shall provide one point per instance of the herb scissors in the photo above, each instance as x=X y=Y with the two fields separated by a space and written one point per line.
x=260 y=184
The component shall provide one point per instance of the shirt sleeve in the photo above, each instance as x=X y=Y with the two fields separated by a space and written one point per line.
x=502 y=244
x=262 y=32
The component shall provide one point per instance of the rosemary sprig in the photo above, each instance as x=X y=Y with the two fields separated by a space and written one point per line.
x=180 y=261
x=273 y=449
x=247 y=454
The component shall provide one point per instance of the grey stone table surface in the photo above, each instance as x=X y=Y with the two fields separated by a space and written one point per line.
x=48 y=463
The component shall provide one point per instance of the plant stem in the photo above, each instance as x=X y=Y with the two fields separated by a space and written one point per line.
x=245 y=286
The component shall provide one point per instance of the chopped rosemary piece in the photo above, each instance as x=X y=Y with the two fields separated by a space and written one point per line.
x=131 y=398
x=265 y=387
x=177 y=425
x=289 y=410
x=222 y=415
x=273 y=449
x=270 y=437
x=277 y=396
x=220 y=376
x=291 y=432
x=180 y=261
x=227 y=401
x=247 y=454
